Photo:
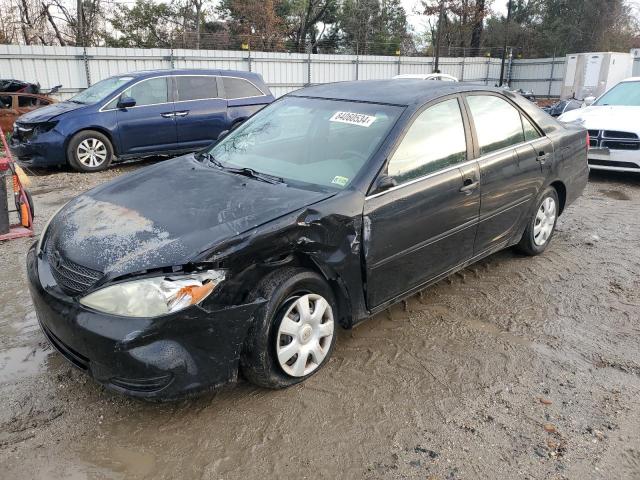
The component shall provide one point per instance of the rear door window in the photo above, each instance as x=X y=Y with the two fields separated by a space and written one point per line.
x=149 y=92
x=196 y=88
x=434 y=141
x=498 y=124
x=239 y=88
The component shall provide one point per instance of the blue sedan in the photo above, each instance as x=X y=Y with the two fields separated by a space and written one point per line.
x=136 y=115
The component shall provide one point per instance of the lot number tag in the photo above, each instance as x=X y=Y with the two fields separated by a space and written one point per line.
x=353 y=118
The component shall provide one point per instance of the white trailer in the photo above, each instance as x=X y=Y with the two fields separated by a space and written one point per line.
x=592 y=74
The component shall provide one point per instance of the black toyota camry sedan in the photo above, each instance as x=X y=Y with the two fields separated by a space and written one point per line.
x=322 y=209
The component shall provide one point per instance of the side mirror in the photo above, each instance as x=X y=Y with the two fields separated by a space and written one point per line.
x=385 y=182
x=589 y=100
x=223 y=134
x=126 y=102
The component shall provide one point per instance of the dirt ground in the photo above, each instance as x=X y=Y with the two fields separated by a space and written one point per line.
x=513 y=368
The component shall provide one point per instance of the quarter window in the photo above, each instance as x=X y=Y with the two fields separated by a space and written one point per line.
x=149 y=92
x=530 y=132
x=435 y=140
x=239 y=88
x=196 y=88
x=497 y=123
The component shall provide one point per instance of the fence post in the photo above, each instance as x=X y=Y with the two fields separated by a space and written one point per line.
x=309 y=65
x=463 y=57
x=357 y=62
x=553 y=65
x=398 y=64
x=486 y=78
x=85 y=59
x=509 y=66
x=172 y=63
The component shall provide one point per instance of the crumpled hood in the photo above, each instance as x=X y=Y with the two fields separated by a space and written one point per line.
x=166 y=215
x=621 y=118
x=50 y=112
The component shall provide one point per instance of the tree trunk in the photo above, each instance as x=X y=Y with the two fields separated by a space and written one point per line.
x=440 y=28
x=53 y=25
x=198 y=5
x=478 y=25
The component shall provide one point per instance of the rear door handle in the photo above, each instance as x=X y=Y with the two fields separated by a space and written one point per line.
x=184 y=113
x=168 y=115
x=469 y=186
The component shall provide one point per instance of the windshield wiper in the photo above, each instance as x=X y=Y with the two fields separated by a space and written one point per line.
x=210 y=158
x=250 y=172
x=246 y=171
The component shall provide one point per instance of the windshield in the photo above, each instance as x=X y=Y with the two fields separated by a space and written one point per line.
x=100 y=90
x=308 y=140
x=625 y=93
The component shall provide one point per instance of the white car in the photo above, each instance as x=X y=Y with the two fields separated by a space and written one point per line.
x=613 y=121
x=429 y=76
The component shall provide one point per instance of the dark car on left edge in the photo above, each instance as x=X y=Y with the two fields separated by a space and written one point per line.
x=165 y=112
x=322 y=209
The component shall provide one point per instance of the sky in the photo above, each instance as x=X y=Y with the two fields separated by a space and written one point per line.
x=499 y=6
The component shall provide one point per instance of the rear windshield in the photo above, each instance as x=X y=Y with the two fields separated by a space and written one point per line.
x=625 y=93
x=309 y=140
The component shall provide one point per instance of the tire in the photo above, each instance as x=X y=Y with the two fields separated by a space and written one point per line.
x=541 y=225
x=31 y=206
x=89 y=151
x=285 y=290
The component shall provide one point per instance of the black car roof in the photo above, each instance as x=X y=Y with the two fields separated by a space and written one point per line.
x=398 y=91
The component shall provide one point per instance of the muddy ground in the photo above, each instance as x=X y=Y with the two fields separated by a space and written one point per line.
x=513 y=368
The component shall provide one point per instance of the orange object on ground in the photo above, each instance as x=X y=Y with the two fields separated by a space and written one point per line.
x=25 y=227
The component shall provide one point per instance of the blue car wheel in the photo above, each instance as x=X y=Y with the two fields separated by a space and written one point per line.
x=89 y=151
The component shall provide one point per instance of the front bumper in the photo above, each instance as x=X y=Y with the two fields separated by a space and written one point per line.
x=161 y=358
x=602 y=158
x=43 y=150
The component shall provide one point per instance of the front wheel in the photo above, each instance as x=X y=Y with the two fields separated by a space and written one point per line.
x=294 y=332
x=90 y=151
x=541 y=226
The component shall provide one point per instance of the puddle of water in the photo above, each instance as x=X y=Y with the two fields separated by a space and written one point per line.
x=615 y=194
x=19 y=362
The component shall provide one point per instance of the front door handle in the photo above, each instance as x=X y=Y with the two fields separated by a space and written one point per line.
x=184 y=113
x=469 y=186
x=168 y=115
x=542 y=157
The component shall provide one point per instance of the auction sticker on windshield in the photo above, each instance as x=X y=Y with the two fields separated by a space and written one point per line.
x=353 y=118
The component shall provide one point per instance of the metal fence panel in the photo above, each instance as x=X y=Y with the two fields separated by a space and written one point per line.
x=542 y=76
x=76 y=68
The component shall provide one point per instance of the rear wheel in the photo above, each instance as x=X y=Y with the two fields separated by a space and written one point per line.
x=541 y=226
x=294 y=331
x=90 y=151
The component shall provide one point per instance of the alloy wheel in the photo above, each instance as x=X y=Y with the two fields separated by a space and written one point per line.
x=92 y=152
x=545 y=221
x=305 y=334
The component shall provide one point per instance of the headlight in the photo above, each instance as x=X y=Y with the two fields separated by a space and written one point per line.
x=155 y=296
x=44 y=127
